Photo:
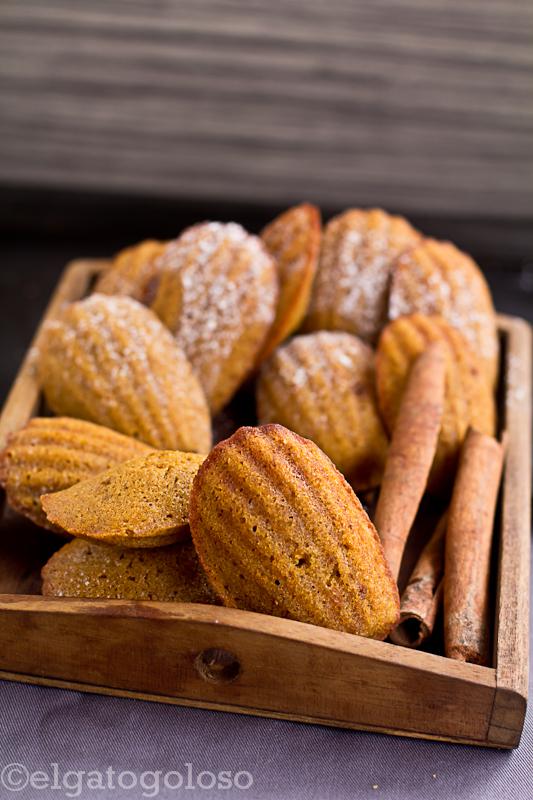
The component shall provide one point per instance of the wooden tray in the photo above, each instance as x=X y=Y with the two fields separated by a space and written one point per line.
x=233 y=660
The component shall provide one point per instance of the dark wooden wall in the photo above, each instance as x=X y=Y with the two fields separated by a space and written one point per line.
x=419 y=105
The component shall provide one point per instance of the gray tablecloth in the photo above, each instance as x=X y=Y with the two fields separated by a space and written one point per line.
x=146 y=745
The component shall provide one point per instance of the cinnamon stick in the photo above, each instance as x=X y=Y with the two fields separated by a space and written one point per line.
x=422 y=595
x=468 y=547
x=411 y=452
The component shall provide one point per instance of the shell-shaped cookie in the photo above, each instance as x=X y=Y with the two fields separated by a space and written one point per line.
x=322 y=386
x=52 y=453
x=436 y=278
x=217 y=293
x=293 y=239
x=350 y=292
x=166 y=574
x=109 y=360
x=133 y=272
x=279 y=531
x=141 y=503
x=468 y=397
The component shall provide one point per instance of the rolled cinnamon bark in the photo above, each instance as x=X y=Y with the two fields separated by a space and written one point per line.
x=468 y=548
x=411 y=452
x=423 y=594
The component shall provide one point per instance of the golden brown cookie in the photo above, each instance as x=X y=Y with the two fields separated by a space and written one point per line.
x=468 y=398
x=111 y=361
x=167 y=574
x=437 y=278
x=217 y=293
x=133 y=272
x=351 y=287
x=52 y=453
x=293 y=240
x=141 y=503
x=322 y=386
x=279 y=531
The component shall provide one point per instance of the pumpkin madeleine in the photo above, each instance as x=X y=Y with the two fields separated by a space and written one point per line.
x=217 y=294
x=52 y=453
x=279 y=531
x=165 y=574
x=468 y=397
x=109 y=360
x=293 y=239
x=351 y=288
x=322 y=386
x=141 y=503
x=437 y=278
x=133 y=272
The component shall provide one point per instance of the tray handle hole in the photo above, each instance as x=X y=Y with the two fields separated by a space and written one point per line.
x=217 y=666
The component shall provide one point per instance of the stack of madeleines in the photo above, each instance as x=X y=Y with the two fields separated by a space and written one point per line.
x=322 y=327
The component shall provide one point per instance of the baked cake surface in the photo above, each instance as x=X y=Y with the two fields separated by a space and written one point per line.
x=217 y=294
x=87 y=569
x=278 y=530
x=350 y=292
x=109 y=360
x=52 y=453
x=322 y=386
x=143 y=502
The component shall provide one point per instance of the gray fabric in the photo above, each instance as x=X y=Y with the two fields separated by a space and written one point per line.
x=287 y=760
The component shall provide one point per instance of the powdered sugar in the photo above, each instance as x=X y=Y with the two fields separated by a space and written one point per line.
x=112 y=361
x=454 y=291
x=225 y=284
x=317 y=355
x=357 y=255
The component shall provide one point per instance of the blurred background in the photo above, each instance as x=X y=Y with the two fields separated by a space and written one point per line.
x=133 y=118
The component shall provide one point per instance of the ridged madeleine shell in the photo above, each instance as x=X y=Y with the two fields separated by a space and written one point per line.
x=437 y=278
x=293 y=240
x=322 y=386
x=143 y=502
x=133 y=272
x=52 y=453
x=350 y=292
x=111 y=361
x=217 y=293
x=279 y=531
x=468 y=399
x=165 y=574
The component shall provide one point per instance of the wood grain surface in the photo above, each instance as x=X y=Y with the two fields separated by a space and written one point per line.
x=511 y=642
x=286 y=668
x=419 y=106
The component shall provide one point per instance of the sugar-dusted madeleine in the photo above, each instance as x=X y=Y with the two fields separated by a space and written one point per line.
x=351 y=287
x=279 y=531
x=52 y=453
x=322 y=386
x=437 y=278
x=217 y=293
x=293 y=239
x=468 y=397
x=133 y=272
x=165 y=574
x=143 y=502
x=109 y=360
